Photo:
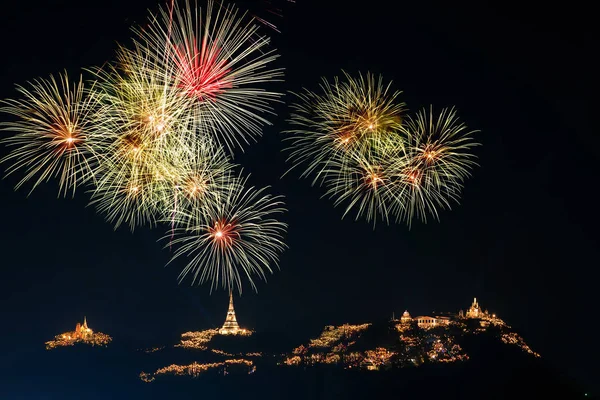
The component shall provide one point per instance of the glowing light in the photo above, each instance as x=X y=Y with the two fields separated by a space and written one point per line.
x=195 y=369
x=224 y=233
x=414 y=177
x=374 y=180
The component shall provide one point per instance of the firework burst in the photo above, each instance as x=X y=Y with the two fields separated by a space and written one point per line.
x=364 y=184
x=51 y=132
x=437 y=161
x=353 y=138
x=203 y=174
x=141 y=122
x=216 y=58
x=126 y=194
x=140 y=111
x=333 y=127
x=238 y=238
x=344 y=137
x=153 y=135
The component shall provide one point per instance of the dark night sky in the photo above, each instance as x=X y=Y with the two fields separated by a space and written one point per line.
x=522 y=240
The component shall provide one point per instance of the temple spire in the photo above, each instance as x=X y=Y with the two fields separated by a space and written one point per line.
x=475 y=310
x=230 y=326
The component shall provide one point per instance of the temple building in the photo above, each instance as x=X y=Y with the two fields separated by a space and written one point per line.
x=425 y=322
x=475 y=311
x=81 y=334
x=406 y=318
x=484 y=317
x=231 y=327
x=82 y=331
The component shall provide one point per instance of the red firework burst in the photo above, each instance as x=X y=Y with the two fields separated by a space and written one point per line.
x=223 y=233
x=200 y=71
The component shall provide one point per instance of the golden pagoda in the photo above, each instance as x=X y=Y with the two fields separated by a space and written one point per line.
x=230 y=326
x=475 y=311
x=82 y=331
x=81 y=334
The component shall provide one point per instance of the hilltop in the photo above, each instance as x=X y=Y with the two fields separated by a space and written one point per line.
x=464 y=355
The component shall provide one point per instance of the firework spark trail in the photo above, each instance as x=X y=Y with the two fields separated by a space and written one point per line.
x=173 y=222
x=269 y=7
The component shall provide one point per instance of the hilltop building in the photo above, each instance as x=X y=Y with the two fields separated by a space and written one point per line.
x=425 y=322
x=445 y=319
x=230 y=326
x=484 y=317
x=81 y=334
x=82 y=331
x=475 y=311
x=406 y=318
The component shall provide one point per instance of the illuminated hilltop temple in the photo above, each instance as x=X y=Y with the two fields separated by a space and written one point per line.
x=475 y=310
x=82 y=331
x=81 y=334
x=231 y=327
x=427 y=322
